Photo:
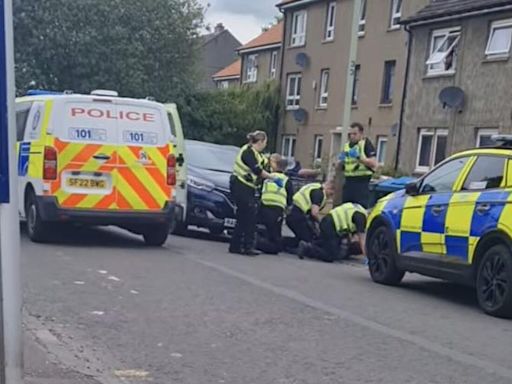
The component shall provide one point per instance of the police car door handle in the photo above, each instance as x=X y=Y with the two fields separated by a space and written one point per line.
x=101 y=156
x=437 y=210
x=483 y=208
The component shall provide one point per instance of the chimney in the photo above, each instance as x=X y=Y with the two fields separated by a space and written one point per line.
x=219 y=28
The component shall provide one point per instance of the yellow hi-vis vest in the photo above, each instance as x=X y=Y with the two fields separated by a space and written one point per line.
x=302 y=199
x=352 y=166
x=342 y=217
x=272 y=195
x=243 y=172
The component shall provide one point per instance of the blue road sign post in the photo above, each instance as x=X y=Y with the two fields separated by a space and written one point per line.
x=11 y=332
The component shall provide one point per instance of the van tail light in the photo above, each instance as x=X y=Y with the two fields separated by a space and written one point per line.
x=171 y=170
x=50 y=164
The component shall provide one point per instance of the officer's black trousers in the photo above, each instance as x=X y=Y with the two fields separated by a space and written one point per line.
x=246 y=215
x=328 y=246
x=356 y=190
x=300 y=224
x=272 y=219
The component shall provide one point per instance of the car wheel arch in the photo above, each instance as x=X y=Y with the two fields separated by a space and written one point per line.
x=378 y=222
x=486 y=242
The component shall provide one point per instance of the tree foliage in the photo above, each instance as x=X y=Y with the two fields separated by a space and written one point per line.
x=225 y=117
x=140 y=48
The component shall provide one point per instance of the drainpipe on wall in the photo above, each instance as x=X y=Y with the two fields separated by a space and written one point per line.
x=281 y=73
x=404 y=96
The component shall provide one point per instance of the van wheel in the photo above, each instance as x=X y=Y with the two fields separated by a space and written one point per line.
x=382 y=257
x=36 y=228
x=156 y=236
x=494 y=282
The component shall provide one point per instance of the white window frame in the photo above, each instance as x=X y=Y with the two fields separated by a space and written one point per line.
x=294 y=98
x=323 y=99
x=485 y=132
x=494 y=26
x=298 y=32
x=330 y=22
x=251 y=69
x=288 y=144
x=428 y=132
x=437 y=57
x=362 y=18
x=396 y=14
x=318 y=139
x=273 y=65
x=356 y=87
x=223 y=84
x=380 y=140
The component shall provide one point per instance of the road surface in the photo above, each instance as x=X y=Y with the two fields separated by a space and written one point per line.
x=192 y=313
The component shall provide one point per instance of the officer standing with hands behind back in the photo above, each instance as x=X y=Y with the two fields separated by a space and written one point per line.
x=247 y=177
x=358 y=163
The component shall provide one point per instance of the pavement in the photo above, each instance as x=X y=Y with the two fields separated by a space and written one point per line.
x=109 y=310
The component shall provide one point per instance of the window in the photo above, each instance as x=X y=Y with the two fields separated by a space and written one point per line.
x=319 y=143
x=487 y=173
x=223 y=84
x=443 y=178
x=500 y=39
x=330 y=22
x=443 y=48
x=22 y=112
x=362 y=18
x=432 y=145
x=355 y=88
x=388 y=82
x=484 y=137
x=299 y=22
x=293 y=91
x=273 y=65
x=324 y=88
x=288 y=146
x=396 y=14
x=251 y=69
x=382 y=147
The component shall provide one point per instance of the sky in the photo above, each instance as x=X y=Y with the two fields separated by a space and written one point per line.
x=244 y=18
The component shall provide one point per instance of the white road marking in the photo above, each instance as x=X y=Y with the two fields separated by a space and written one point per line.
x=79 y=282
x=102 y=272
x=113 y=278
x=370 y=324
x=131 y=374
x=97 y=313
x=177 y=355
x=134 y=292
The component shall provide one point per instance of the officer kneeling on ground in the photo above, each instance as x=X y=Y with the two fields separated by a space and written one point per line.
x=274 y=200
x=342 y=233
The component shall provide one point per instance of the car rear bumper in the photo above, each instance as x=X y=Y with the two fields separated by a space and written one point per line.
x=209 y=209
x=50 y=210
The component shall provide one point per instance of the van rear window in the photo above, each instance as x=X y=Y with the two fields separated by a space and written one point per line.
x=112 y=123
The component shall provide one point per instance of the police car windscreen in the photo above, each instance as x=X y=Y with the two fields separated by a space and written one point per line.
x=106 y=122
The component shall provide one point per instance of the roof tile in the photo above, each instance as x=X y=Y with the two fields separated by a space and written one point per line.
x=231 y=70
x=273 y=36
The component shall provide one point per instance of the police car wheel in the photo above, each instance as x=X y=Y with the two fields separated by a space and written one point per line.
x=381 y=257
x=35 y=226
x=156 y=236
x=494 y=282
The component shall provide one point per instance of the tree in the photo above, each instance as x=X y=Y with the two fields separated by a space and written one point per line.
x=225 y=117
x=140 y=48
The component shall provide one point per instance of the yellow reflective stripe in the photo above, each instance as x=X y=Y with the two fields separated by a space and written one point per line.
x=459 y=183
x=90 y=201
x=430 y=243
x=413 y=212
x=128 y=193
x=460 y=213
x=48 y=106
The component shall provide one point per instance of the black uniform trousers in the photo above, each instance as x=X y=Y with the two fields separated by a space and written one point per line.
x=244 y=235
x=272 y=219
x=356 y=190
x=301 y=225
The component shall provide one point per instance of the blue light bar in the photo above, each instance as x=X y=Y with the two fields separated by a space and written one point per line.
x=42 y=92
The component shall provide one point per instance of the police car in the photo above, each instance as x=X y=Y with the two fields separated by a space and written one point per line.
x=454 y=223
x=96 y=159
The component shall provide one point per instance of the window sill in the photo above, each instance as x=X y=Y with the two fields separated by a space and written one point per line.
x=438 y=75
x=385 y=105
x=394 y=28
x=296 y=46
x=325 y=41
x=321 y=107
x=361 y=34
x=250 y=82
x=292 y=108
x=496 y=59
x=421 y=171
x=355 y=106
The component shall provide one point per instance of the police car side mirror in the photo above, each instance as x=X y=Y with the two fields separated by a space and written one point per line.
x=412 y=189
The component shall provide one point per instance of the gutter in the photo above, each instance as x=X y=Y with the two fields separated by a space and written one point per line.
x=260 y=48
x=295 y=4
x=404 y=95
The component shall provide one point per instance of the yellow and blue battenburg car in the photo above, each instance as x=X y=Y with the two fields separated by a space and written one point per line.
x=96 y=159
x=454 y=223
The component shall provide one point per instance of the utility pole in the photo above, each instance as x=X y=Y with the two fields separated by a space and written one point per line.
x=349 y=87
x=11 y=350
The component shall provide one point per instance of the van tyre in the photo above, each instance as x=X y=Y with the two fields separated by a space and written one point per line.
x=36 y=228
x=156 y=236
x=494 y=282
x=382 y=255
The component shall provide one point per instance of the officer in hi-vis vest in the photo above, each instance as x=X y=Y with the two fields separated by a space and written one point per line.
x=274 y=201
x=342 y=233
x=358 y=163
x=248 y=174
x=305 y=212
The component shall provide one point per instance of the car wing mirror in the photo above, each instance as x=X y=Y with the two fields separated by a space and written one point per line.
x=412 y=189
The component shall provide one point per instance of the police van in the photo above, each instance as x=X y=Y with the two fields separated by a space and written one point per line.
x=98 y=159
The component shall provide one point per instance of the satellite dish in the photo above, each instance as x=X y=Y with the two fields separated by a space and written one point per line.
x=452 y=97
x=302 y=60
x=300 y=115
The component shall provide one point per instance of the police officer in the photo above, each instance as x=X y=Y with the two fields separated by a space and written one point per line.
x=305 y=212
x=274 y=201
x=342 y=232
x=359 y=163
x=247 y=176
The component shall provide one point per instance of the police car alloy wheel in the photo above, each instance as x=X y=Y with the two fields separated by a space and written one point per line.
x=494 y=282
x=381 y=257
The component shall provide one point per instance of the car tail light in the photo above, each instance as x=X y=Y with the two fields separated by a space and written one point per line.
x=171 y=170
x=50 y=164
